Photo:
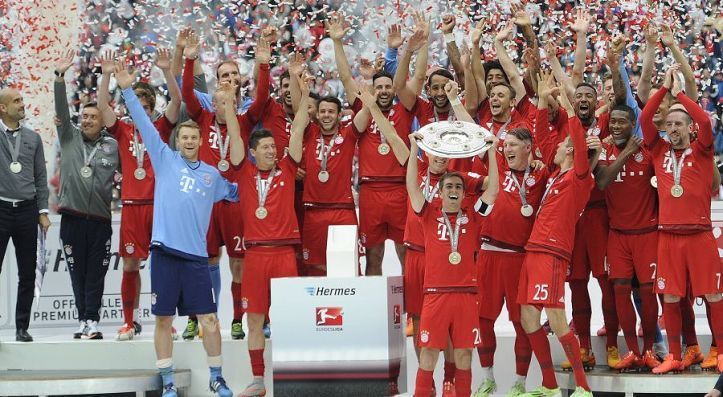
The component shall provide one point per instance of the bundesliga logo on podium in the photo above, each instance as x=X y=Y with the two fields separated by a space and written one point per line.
x=329 y=318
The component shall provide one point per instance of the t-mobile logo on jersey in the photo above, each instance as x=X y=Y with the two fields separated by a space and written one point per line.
x=329 y=316
x=509 y=185
x=187 y=183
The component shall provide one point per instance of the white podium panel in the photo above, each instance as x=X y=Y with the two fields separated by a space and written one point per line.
x=342 y=251
x=348 y=330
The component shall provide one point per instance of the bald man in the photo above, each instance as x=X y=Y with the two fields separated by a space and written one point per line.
x=23 y=200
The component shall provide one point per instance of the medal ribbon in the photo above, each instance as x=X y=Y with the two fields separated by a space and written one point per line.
x=263 y=189
x=453 y=233
x=326 y=150
x=521 y=187
x=16 y=149
x=88 y=158
x=677 y=165
x=139 y=152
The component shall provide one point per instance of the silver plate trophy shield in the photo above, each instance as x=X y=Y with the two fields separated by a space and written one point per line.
x=454 y=139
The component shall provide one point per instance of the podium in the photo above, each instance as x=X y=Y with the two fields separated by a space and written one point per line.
x=338 y=336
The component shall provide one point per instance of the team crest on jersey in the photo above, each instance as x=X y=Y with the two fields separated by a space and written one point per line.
x=206 y=179
x=594 y=132
x=305 y=253
x=462 y=220
x=105 y=148
x=68 y=250
x=130 y=248
x=530 y=181
x=424 y=336
x=638 y=157
x=339 y=140
x=661 y=283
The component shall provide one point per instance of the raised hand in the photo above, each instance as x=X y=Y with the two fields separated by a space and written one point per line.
x=394 y=36
x=270 y=34
x=633 y=144
x=366 y=69
x=122 y=76
x=505 y=32
x=582 y=22
x=668 y=80
x=667 y=36
x=193 y=45
x=163 y=59
x=417 y=40
x=335 y=27
x=478 y=31
x=413 y=138
x=297 y=64
x=107 y=61
x=226 y=92
x=615 y=49
x=448 y=23
x=452 y=90
x=368 y=98
x=546 y=84
x=519 y=15
x=421 y=22
x=678 y=85
x=65 y=62
x=182 y=38
x=594 y=143
x=651 y=34
x=263 y=51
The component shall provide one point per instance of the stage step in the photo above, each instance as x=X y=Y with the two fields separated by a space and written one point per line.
x=81 y=382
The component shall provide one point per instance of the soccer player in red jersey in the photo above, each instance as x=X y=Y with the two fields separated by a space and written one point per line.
x=624 y=172
x=139 y=181
x=225 y=228
x=687 y=251
x=549 y=249
x=450 y=285
x=328 y=151
x=270 y=233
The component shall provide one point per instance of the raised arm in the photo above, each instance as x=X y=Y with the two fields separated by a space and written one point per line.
x=478 y=70
x=263 y=56
x=471 y=93
x=405 y=92
x=650 y=131
x=579 y=144
x=181 y=38
x=581 y=26
x=193 y=106
x=416 y=198
x=400 y=149
x=492 y=180
x=557 y=71
x=543 y=138
x=62 y=112
x=163 y=61
x=335 y=26
x=606 y=174
x=455 y=58
x=394 y=41
x=699 y=116
x=452 y=91
x=297 y=64
x=107 y=67
x=614 y=61
x=151 y=138
x=531 y=53
x=691 y=89
x=646 y=74
x=227 y=93
x=301 y=121
x=507 y=64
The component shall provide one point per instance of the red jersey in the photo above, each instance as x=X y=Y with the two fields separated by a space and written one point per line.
x=439 y=272
x=134 y=191
x=214 y=135
x=689 y=213
x=374 y=167
x=279 y=227
x=563 y=202
x=413 y=230
x=336 y=191
x=506 y=227
x=275 y=119
x=631 y=200
x=522 y=116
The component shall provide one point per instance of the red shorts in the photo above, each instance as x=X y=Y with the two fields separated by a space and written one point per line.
x=260 y=266
x=632 y=255
x=542 y=281
x=316 y=230
x=382 y=213
x=225 y=228
x=591 y=242
x=688 y=257
x=449 y=315
x=135 y=230
x=498 y=281
x=413 y=282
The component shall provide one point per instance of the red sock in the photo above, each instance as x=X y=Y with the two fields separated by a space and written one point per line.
x=648 y=315
x=424 y=384
x=541 y=347
x=572 y=351
x=710 y=323
x=486 y=349
x=238 y=310
x=257 y=362
x=129 y=290
x=627 y=316
x=463 y=382
x=581 y=311
x=673 y=326
x=523 y=350
x=687 y=316
x=716 y=319
x=449 y=371
x=610 y=315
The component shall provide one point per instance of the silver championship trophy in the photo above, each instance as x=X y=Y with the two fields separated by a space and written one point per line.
x=454 y=139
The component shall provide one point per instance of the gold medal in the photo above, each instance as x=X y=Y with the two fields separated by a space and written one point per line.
x=261 y=212
x=676 y=191
x=455 y=258
x=383 y=149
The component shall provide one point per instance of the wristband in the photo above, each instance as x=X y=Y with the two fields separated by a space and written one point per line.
x=449 y=38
